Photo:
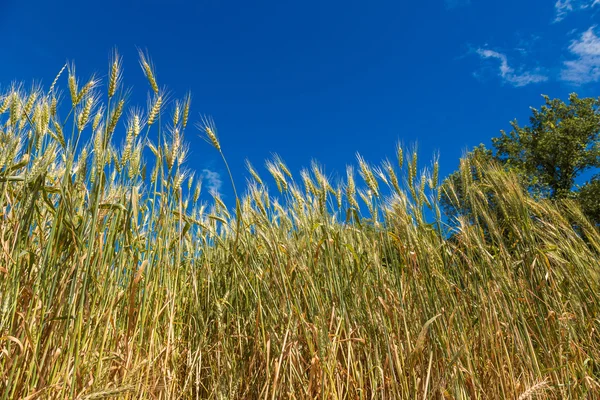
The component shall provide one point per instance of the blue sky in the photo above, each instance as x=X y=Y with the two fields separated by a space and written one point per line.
x=322 y=79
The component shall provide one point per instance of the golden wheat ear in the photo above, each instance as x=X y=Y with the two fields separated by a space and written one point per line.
x=207 y=125
x=116 y=74
x=148 y=69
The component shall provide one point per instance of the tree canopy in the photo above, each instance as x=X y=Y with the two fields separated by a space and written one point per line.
x=552 y=155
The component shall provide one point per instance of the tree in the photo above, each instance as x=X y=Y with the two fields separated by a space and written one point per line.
x=560 y=144
x=589 y=199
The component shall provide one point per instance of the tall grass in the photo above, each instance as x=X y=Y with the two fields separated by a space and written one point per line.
x=116 y=280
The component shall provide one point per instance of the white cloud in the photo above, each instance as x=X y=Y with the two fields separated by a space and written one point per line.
x=585 y=68
x=508 y=74
x=460 y=3
x=562 y=7
x=213 y=180
x=565 y=7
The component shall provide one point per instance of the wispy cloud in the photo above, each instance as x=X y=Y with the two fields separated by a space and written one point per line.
x=585 y=68
x=459 y=3
x=213 y=180
x=508 y=74
x=565 y=7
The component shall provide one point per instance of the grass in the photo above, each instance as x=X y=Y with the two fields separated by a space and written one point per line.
x=116 y=280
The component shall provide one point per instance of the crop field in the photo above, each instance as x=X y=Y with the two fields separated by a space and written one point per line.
x=121 y=277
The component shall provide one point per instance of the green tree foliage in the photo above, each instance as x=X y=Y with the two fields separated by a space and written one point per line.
x=560 y=144
x=589 y=199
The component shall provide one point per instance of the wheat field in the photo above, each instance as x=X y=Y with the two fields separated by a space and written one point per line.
x=121 y=278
